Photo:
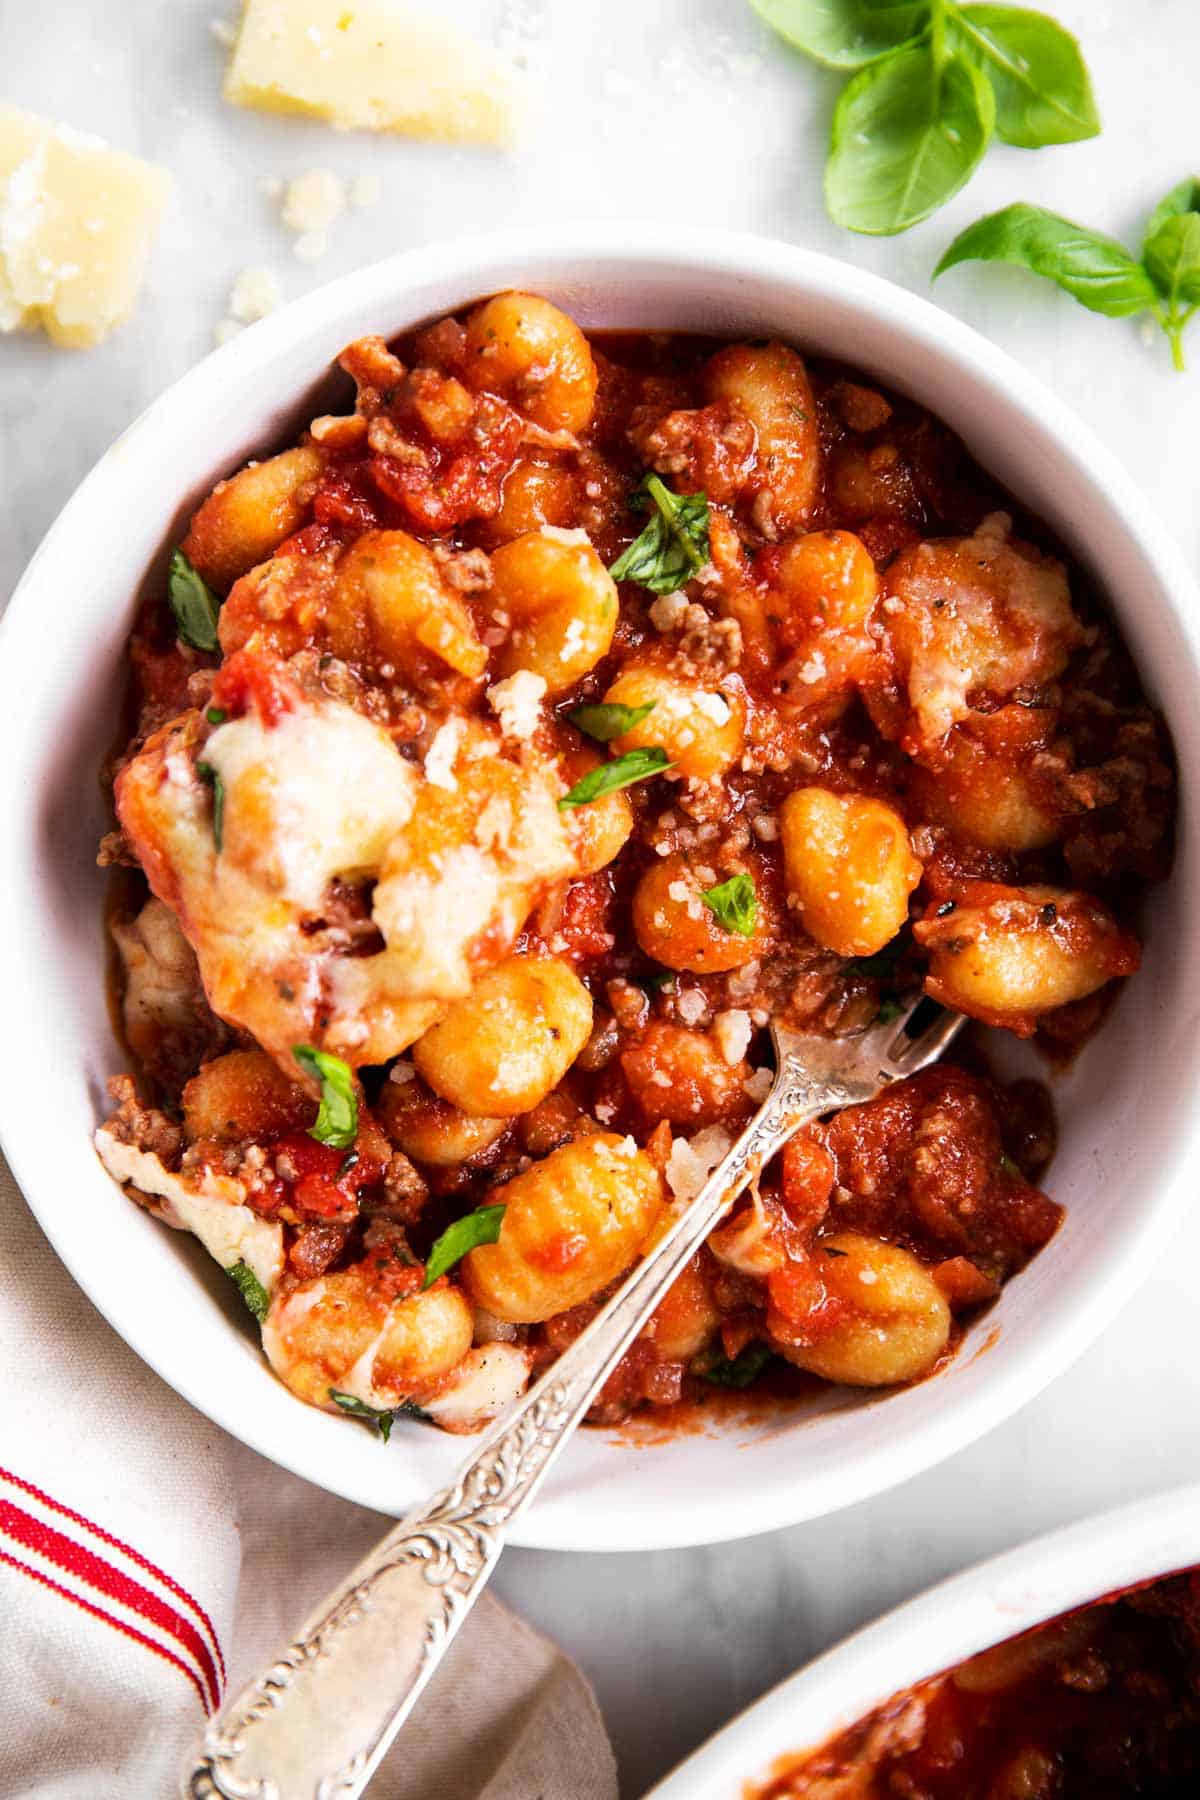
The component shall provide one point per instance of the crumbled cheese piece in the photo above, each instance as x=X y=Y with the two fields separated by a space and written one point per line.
x=517 y=701
x=757 y=1086
x=254 y=294
x=714 y=707
x=402 y=1073
x=310 y=246
x=77 y=220
x=766 y=827
x=667 y=611
x=373 y=65
x=365 y=190
x=441 y=754
x=313 y=201
x=691 y=1006
x=692 y=1161
x=732 y=1031
x=559 y=534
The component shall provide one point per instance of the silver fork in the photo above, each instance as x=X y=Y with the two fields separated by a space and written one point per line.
x=316 y=1724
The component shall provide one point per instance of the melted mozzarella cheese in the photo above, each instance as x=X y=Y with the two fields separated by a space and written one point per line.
x=210 y=1206
x=486 y=1381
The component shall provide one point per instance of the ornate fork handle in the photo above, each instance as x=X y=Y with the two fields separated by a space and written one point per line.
x=316 y=1724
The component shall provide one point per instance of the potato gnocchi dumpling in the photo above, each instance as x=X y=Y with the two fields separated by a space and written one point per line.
x=504 y=757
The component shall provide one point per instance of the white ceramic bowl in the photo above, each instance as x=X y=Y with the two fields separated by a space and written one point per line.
x=1128 y=1110
x=983 y=1606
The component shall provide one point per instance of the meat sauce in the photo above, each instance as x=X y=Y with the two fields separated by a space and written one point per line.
x=904 y=747
x=1100 y=1704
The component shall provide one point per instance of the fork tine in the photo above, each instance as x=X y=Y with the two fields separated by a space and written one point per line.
x=908 y=1055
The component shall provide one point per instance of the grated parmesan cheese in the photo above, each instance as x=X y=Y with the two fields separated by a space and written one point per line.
x=732 y=1031
x=692 y=1160
x=517 y=701
x=442 y=753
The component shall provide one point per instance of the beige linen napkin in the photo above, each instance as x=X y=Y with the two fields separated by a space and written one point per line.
x=148 y=1562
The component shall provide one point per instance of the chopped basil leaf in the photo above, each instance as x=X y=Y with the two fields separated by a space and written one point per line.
x=744 y=1368
x=251 y=1289
x=622 y=772
x=659 y=981
x=608 y=721
x=212 y=778
x=479 y=1227
x=382 y=1421
x=216 y=715
x=337 y=1117
x=194 y=604
x=735 y=904
x=673 y=547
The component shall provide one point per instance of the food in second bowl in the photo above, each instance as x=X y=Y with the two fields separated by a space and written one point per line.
x=1100 y=1704
x=504 y=755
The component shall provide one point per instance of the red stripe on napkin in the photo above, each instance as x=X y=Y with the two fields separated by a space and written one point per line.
x=135 y=1556
x=85 y=1565
x=97 y=1612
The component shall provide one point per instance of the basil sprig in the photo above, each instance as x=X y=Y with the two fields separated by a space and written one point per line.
x=931 y=81
x=608 y=720
x=381 y=1419
x=734 y=903
x=1095 y=269
x=251 y=1289
x=336 y=1122
x=211 y=777
x=474 y=1228
x=673 y=547
x=621 y=772
x=194 y=604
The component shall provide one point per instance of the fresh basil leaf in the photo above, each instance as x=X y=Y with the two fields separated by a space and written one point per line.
x=216 y=715
x=1092 y=268
x=609 y=720
x=906 y=136
x=622 y=772
x=382 y=1421
x=744 y=1368
x=474 y=1228
x=251 y=1289
x=659 y=981
x=336 y=1123
x=735 y=904
x=844 y=34
x=1172 y=260
x=212 y=778
x=1036 y=68
x=1184 y=197
x=194 y=604
x=674 y=545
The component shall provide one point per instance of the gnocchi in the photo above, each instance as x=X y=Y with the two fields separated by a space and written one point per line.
x=511 y=1041
x=560 y=603
x=849 y=868
x=893 y=1323
x=571 y=1224
x=700 y=726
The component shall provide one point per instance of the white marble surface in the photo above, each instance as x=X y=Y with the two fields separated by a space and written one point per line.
x=680 y=108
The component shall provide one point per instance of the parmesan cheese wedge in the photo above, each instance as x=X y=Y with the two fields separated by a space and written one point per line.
x=77 y=220
x=373 y=65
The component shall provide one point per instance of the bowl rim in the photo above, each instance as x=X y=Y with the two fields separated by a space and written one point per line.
x=610 y=250
x=939 y=1627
